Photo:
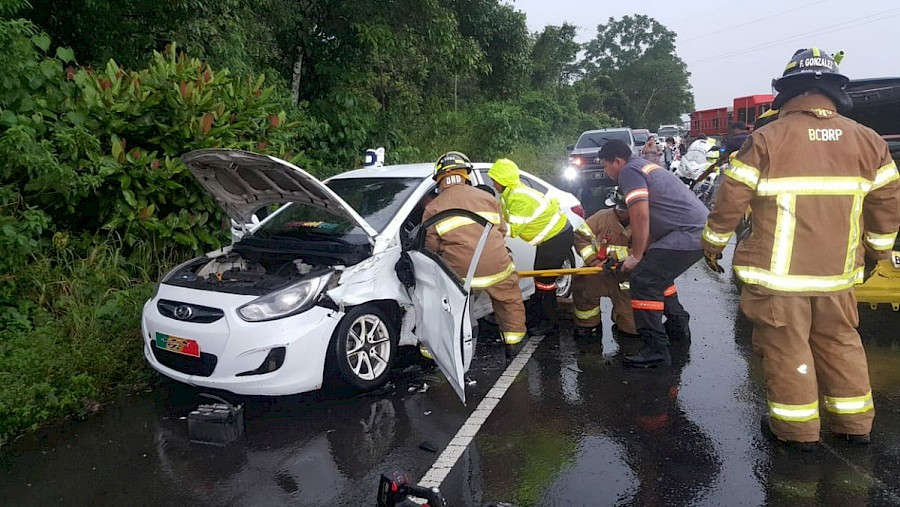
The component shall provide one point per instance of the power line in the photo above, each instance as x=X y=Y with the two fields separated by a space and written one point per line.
x=853 y=23
x=764 y=18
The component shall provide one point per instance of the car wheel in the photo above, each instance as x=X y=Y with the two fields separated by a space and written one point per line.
x=364 y=346
x=564 y=283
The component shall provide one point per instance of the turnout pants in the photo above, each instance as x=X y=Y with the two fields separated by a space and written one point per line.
x=550 y=254
x=653 y=294
x=506 y=298
x=808 y=345
x=586 y=293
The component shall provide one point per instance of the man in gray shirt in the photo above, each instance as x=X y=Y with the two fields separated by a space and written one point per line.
x=667 y=220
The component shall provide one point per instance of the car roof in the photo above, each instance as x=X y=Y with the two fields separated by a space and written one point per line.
x=421 y=170
x=607 y=130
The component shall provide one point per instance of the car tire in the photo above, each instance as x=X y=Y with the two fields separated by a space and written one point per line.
x=564 y=283
x=364 y=347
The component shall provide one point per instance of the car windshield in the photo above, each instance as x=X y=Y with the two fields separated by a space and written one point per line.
x=667 y=132
x=307 y=222
x=375 y=199
x=640 y=138
x=598 y=139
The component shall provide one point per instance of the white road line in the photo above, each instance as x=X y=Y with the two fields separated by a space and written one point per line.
x=457 y=446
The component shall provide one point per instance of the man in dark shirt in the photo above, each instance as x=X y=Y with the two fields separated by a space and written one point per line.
x=667 y=220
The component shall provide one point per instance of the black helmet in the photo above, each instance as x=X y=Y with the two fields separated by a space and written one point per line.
x=616 y=199
x=808 y=69
x=450 y=161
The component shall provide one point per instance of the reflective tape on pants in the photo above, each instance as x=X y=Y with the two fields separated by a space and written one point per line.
x=851 y=405
x=587 y=314
x=794 y=413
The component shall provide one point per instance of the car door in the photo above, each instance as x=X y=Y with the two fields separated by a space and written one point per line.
x=442 y=301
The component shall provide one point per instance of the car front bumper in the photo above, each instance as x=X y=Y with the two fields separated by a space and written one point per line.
x=230 y=345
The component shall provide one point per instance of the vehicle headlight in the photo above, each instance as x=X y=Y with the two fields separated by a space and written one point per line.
x=570 y=173
x=291 y=300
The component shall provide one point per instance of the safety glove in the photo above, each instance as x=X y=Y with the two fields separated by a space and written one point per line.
x=712 y=260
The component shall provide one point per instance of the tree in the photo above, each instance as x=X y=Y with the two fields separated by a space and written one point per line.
x=554 y=56
x=648 y=81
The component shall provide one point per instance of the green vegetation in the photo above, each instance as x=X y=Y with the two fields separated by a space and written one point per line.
x=98 y=99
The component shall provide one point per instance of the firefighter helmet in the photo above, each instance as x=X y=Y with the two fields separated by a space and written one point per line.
x=812 y=64
x=452 y=161
x=616 y=199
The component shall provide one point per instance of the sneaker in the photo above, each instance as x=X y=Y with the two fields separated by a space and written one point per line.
x=865 y=439
x=766 y=428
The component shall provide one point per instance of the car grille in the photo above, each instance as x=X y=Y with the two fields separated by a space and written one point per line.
x=202 y=366
x=187 y=312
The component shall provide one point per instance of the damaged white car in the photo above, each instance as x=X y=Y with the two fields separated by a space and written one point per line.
x=334 y=281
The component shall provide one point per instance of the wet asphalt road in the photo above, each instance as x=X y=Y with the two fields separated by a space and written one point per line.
x=574 y=428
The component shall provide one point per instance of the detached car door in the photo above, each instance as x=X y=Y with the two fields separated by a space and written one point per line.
x=442 y=301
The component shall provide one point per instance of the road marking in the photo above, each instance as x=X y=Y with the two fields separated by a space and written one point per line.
x=870 y=477
x=458 y=444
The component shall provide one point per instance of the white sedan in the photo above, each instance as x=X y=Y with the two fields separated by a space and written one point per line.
x=334 y=281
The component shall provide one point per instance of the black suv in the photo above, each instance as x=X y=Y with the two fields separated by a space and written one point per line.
x=584 y=177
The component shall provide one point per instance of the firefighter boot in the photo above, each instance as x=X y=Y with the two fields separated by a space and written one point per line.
x=547 y=322
x=588 y=333
x=655 y=353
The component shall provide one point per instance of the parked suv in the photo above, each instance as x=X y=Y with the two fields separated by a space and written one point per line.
x=584 y=176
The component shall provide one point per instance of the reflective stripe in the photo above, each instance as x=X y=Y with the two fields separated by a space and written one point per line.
x=798 y=283
x=647 y=169
x=490 y=216
x=814 y=186
x=448 y=224
x=785 y=224
x=638 y=304
x=794 y=413
x=480 y=282
x=542 y=201
x=620 y=251
x=853 y=243
x=537 y=240
x=852 y=405
x=512 y=337
x=881 y=241
x=587 y=252
x=636 y=194
x=585 y=230
x=587 y=314
x=671 y=291
x=714 y=238
x=545 y=286
x=885 y=174
x=743 y=173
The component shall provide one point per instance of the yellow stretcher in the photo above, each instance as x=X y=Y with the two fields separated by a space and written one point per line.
x=883 y=286
x=562 y=272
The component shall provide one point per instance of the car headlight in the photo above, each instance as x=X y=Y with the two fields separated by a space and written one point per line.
x=570 y=173
x=291 y=300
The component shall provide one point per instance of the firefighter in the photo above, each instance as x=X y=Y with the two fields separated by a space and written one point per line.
x=666 y=222
x=538 y=220
x=455 y=238
x=603 y=237
x=818 y=184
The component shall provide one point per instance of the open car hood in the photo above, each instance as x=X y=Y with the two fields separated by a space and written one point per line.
x=242 y=182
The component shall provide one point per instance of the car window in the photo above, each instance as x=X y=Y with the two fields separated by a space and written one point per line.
x=376 y=199
x=533 y=184
x=598 y=139
x=640 y=138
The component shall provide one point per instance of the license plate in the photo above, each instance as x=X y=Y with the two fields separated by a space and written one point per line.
x=177 y=345
x=895 y=257
x=598 y=175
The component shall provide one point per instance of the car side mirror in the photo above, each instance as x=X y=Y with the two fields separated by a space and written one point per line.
x=570 y=147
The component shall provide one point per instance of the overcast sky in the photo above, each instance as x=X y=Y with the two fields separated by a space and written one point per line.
x=735 y=48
